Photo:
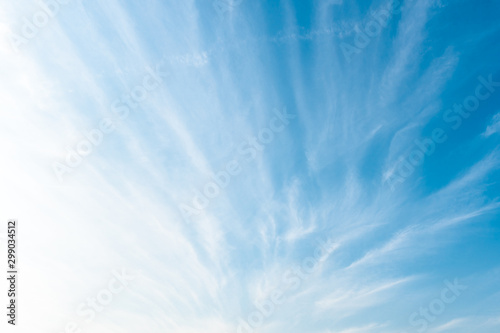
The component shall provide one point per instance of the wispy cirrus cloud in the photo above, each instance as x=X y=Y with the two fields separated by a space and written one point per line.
x=321 y=178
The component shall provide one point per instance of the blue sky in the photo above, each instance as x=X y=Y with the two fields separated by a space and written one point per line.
x=216 y=149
